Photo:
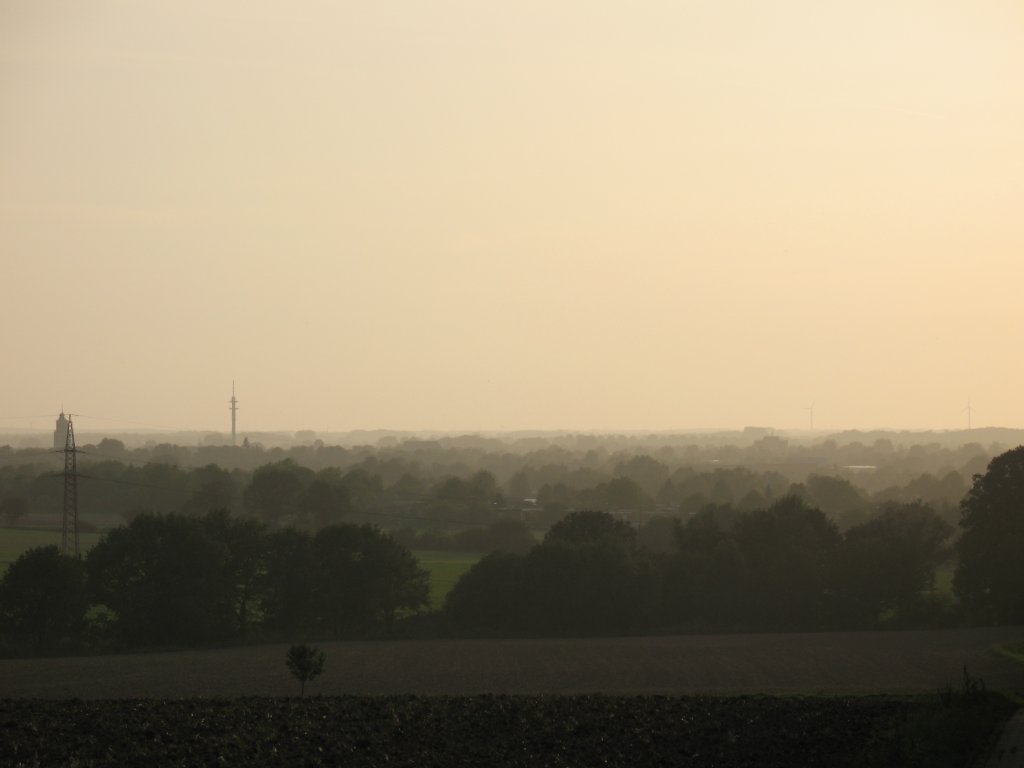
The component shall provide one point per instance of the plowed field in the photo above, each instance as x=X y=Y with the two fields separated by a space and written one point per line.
x=491 y=731
x=833 y=663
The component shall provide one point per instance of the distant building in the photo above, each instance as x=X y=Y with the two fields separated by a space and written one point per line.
x=60 y=434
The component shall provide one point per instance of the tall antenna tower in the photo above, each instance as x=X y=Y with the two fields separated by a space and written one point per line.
x=810 y=410
x=69 y=527
x=234 y=410
x=969 y=409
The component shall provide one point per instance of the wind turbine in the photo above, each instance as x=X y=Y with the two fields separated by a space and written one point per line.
x=969 y=410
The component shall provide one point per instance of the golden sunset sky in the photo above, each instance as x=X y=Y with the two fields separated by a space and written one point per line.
x=523 y=215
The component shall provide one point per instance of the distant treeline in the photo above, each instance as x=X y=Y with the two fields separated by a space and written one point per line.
x=445 y=486
x=896 y=457
x=786 y=566
x=182 y=580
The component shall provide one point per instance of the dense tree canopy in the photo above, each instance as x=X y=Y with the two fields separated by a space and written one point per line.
x=275 y=490
x=778 y=544
x=183 y=580
x=286 y=601
x=704 y=578
x=585 y=577
x=591 y=527
x=788 y=551
x=887 y=564
x=472 y=481
x=783 y=567
x=363 y=577
x=990 y=578
x=168 y=580
x=43 y=598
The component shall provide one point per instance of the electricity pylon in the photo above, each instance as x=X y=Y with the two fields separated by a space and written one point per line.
x=69 y=528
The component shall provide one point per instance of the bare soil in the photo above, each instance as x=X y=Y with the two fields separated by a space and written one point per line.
x=816 y=663
x=459 y=731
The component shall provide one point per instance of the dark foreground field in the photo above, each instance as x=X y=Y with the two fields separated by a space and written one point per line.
x=496 y=730
x=832 y=663
x=408 y=703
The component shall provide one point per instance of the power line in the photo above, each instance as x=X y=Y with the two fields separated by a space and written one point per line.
x=119 y=459
x=472 y=523
x=396 y=516
x=98 y=418
x=147 y=462
x=26 y=418
x=132 y=483
x=141 y=462
x=167 y=488
x=130 y=421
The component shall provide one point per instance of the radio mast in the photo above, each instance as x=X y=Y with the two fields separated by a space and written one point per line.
x=234 y=410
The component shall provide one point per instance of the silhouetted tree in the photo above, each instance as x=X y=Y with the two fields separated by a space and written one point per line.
x=587 y=576
x=13 y=509
x=362 y=578
x=244 y=540
x=475 y=498
x=506 y=534
x=210 y=488
x=111 y=446
x=648 y=474
x=305 y=663
x=590 y=585
x=324 y=503
x=834 y=495
x=658 y=534
x=167 y=580
x=484 y=489
x=43 y=598
x=364 y=488
x=396 y=582
x=489 y=597
x=888 y=563
x=989 y=577
x=704 y=580
x=789 y=551
x=284 y=586
x=274 y=491
x=588 y=527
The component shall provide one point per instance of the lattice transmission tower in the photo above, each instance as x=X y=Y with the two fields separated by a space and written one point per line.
x=69 y=528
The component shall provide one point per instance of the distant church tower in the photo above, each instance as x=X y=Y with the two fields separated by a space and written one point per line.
x=60 y=434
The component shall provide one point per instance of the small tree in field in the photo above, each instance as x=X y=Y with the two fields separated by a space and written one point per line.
x=305 y=662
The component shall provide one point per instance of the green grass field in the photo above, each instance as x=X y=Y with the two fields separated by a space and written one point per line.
x=944 y=579
x=445 y=569
x=1013 y=650
x=14 y=541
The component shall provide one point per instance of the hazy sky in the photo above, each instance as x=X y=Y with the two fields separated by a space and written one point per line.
x=479 y=215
